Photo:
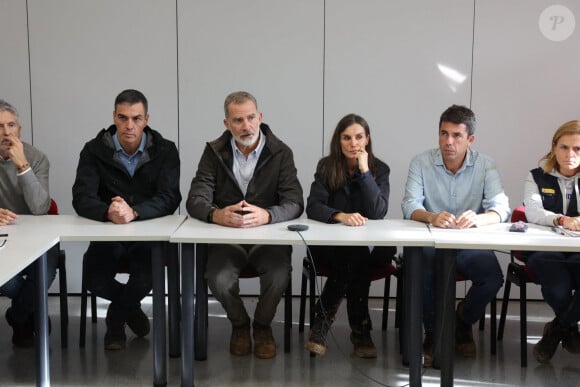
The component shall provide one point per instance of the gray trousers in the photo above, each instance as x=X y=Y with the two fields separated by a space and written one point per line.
x=271 y=262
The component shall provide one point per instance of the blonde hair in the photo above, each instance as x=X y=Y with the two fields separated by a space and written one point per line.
x=570 y=127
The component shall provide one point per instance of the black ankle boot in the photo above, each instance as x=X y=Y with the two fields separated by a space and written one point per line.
x=323 y=319
x=546 y=347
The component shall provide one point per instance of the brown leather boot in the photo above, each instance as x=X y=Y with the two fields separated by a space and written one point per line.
x=240 y=342
x=264 y=344
x=363 y=344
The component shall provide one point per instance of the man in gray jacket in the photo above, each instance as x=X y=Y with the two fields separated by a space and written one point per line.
x=23 y=190
x=247 y=178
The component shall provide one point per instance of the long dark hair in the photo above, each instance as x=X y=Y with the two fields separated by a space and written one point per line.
x=334 y=167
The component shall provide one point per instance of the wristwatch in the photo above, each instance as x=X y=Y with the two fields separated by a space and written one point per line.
x=135 y=214
x=210 y=215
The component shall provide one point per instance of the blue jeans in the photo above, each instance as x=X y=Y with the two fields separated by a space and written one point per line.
x=559 y=276
x=479 y=266
x=21 y=288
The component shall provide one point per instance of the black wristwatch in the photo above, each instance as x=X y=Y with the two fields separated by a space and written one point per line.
x=210 y=215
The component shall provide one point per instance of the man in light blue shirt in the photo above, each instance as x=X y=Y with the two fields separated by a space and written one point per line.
x=456 y=187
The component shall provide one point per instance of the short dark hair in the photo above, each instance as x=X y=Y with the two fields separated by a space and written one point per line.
x=131 y=97
x=459 y=115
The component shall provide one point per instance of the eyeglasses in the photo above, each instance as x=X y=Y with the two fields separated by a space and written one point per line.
x=2 y=243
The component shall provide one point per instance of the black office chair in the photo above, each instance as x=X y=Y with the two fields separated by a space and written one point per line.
x=520 y=275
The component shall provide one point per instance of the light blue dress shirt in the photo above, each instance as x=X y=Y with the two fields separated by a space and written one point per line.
x=432 y=187
x=130 y=161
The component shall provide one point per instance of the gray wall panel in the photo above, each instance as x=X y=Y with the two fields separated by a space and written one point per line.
x=14 y=75
x=272 y=49
x=384 y=61
x=82 y=55
x=524 y=87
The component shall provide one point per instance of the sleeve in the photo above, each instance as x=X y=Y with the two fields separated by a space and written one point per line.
x=167 y=195
x=201 y=191
x=290 y=196
x=85 y=190
x=376 y=192
x=494 y=197
x=535 y=212
x=414 y=190
x=34 y=184
x=317 y=207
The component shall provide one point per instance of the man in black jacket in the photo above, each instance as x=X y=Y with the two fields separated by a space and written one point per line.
x=128 y=172
x=247 y=178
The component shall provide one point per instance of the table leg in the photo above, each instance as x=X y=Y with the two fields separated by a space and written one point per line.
x=159 y=344
x=445 y=315
x=413 y=314
x=200 y=329
x=174 y=306
x=187 y=310
x=41 y=308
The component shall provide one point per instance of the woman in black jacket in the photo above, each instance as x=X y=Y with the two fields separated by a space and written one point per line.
x=350 y=186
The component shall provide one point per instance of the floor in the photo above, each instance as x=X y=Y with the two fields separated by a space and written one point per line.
x=92 y=366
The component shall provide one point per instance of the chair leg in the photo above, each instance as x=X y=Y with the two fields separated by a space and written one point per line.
x=492 y=325
x=93 y=308
x=312 y=279
x=83 y=323
x=288 y=315
x=523 y=325
x=504 y=306
x=303 y=284
x=398 y=302
x=386 y=293
x=63 y=298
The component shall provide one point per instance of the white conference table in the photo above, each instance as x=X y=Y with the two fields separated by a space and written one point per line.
x=194 y=235
x=491 y=237
x=72 y=228
x=28 y=242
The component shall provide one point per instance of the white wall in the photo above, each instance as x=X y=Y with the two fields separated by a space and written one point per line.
x=309 y=62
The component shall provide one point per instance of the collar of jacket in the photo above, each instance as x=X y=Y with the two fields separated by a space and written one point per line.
x=221 y=146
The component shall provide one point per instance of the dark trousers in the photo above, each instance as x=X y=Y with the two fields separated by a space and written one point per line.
x=104 y=260
x=559 y=276
x=21 y=289
x=350 y=276
x=479 y=266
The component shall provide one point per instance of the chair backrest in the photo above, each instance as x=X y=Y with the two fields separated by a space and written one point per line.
x=518 y=214
x=53 y=210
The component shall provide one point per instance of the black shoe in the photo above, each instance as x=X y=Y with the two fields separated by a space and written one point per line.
x=22 y=332
x=464 y=344
x=115 y=338
x=139 y=323
x=428 y=350
x=571 y=340
x=115 y=341
x=546 y=347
